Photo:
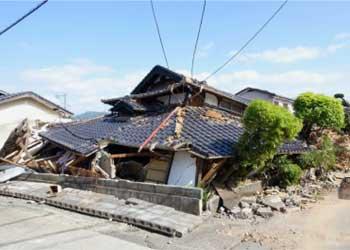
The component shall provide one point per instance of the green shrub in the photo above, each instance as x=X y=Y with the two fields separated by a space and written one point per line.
x=283 y=172
x=267 y=126
x=324 y=157
x=320 y=110
x=289 y=174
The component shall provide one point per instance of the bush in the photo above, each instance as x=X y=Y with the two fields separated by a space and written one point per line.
x=289 y=174
x=320 y=110
x=323 y=158
x=283 y=172
x=267 y=126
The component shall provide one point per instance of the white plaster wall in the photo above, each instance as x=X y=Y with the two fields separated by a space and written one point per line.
x=12 y=113
x=211 y=99
x=183 y=170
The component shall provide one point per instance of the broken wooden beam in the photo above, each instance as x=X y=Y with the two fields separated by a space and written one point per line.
x=212 y=172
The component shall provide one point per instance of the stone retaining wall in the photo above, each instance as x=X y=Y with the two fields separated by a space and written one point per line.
x=188 y=200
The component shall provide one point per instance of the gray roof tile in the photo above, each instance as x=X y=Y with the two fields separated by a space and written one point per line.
x=211 y=133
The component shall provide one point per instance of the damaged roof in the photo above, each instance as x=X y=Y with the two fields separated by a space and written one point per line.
x=205 y=132
x=176 y=81
x=130 y=105
x=6 y=98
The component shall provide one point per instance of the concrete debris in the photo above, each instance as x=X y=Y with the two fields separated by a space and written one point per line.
x=213 y=203
x=246 y=213
x=243 y=204
x=342 y=140
x=276 y=200
x=248 y=199
x=136 y=212
x=265 y=212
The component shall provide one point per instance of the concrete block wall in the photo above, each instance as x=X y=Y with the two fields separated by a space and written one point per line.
x=185 y=199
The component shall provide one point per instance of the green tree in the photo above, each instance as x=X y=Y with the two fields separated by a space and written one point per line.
x=319 y=110
x=267 y=127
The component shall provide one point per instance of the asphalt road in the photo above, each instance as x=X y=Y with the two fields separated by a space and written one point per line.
x=28 y=225
x=34 y=227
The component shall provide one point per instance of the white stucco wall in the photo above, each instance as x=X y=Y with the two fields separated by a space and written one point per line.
x=265 y=96
x=12 y=113
x=183 y=170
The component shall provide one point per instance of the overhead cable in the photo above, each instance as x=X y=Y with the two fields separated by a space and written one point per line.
x=249 y=41
x=197 y=38
x=158 y=32
x=23 y=17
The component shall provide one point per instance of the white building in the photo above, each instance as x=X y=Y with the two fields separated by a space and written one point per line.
x=16 y=107
x=254 y=93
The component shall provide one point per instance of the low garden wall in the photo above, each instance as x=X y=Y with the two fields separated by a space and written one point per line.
x=185 y=199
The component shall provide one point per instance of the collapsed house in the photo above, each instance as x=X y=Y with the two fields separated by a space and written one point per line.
x=170 y=130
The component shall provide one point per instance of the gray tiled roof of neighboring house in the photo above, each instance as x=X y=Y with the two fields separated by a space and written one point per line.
x=208 y=132
x=15 y=96
x=248 y=89
x=2 y=93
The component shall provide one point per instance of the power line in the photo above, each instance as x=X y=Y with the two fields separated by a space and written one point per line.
x=198 y=34
x=158 y=31
x=23 y=17
x=249 y=41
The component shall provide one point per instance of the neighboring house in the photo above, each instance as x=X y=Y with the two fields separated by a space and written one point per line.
x=179 y=131
x=15 y=107
x=253 y=93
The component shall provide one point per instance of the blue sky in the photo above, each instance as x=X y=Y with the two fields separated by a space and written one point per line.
x=93 y=50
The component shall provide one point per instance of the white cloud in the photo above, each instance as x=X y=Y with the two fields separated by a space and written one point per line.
x=337 y=46
x=85 y=83
x=203 y=51
x=283 y=55
x=295 y=54
x=289 y=83
x=342 y=36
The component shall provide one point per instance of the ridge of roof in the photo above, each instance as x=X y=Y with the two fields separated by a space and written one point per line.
x=263 y=91
x=3 y=93
x=25 y=94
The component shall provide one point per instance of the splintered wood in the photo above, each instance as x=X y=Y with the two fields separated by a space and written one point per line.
x=25 y=147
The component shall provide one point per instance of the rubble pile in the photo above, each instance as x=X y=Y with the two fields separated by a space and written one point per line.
x=342 y=142
x=276 y=200
x=25 y=147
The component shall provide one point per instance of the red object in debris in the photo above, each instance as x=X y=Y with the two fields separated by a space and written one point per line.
x=161 y=125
